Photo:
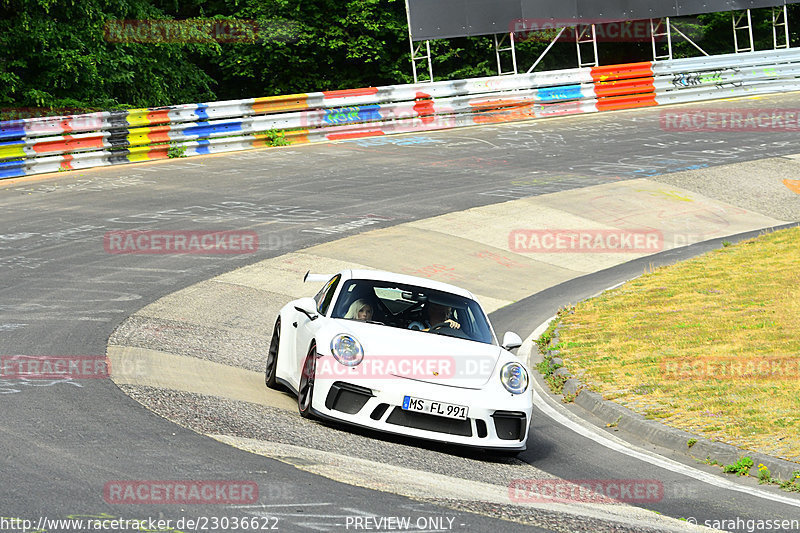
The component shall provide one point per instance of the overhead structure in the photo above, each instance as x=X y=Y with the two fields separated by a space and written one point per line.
x=445 y=19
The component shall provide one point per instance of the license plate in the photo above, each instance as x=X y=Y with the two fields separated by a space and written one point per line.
x=447 y=410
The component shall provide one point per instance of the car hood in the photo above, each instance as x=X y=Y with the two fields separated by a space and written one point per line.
x=400 y=353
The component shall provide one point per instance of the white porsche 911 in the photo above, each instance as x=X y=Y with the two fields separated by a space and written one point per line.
x=403 y=355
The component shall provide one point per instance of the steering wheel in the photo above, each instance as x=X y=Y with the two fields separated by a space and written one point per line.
x=440 y=325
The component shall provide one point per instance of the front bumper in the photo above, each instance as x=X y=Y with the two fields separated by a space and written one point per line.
x=495 y=419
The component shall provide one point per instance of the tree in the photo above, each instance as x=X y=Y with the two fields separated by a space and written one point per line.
x=58 y=54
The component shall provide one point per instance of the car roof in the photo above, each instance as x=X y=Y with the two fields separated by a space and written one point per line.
x=382 y=275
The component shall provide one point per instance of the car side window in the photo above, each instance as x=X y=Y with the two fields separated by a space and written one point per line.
x=325 y=295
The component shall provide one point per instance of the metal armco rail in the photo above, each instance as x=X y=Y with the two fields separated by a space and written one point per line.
x=49 y=144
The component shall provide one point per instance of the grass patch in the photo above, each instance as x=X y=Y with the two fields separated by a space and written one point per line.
x=176 y=151
x=710 y=345
x=740 y=468
x=546 y=369
x=275 y=138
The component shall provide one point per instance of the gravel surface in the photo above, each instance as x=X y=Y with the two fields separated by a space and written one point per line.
x=228 y=347
x=559 y=522
x=211 y=415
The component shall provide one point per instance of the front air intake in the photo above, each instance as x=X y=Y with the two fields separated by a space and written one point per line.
x=509 y=425
x=347 y=398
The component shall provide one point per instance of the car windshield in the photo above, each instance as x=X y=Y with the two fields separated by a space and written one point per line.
x=411 y=307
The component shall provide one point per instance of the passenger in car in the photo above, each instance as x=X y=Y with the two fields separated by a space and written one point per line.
x=361 y=309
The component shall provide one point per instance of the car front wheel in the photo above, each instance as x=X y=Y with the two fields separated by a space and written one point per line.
x=305 y=391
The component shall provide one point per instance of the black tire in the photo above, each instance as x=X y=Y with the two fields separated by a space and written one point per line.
x=305 y=392
x=272 y=358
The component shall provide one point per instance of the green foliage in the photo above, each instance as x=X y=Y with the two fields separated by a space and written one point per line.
x=764 y=475
x=316 y=45
x=792 y=485
x=547 y=369
x=741 y=467
x=175 y=151
x=276 y=138
x=57 y=54
x=544 y=340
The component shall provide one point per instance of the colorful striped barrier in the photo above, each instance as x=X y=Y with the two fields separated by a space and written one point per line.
x=49 y=144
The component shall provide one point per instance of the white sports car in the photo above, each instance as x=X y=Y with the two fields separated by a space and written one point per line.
x=403 y=355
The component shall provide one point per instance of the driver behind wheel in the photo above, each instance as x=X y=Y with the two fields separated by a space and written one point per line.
x=438 y=315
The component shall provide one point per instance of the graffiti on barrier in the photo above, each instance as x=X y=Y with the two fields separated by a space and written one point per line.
x=720 y=78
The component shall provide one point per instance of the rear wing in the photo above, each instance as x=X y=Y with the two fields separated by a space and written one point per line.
x=312 y=278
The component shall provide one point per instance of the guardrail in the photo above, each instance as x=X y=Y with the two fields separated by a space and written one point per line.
x=49 y=144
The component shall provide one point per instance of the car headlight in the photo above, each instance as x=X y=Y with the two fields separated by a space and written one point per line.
x=347 y=350
x=514 y=378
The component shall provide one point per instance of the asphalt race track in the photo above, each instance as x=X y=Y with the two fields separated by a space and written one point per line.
x=63 y=294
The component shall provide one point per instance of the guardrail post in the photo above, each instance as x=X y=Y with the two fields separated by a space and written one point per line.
x=416 y=56
x=779 y=18
x=510 y=48
x=581 y=38
x=654 y=32
x=739 y=25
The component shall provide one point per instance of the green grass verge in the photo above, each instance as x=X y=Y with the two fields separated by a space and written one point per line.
x=710 y=345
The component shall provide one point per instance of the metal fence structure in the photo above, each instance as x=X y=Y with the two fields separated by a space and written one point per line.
x=50 y=144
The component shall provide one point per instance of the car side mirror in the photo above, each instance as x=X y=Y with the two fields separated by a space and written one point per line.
x=511 y=340
x=307 y=306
